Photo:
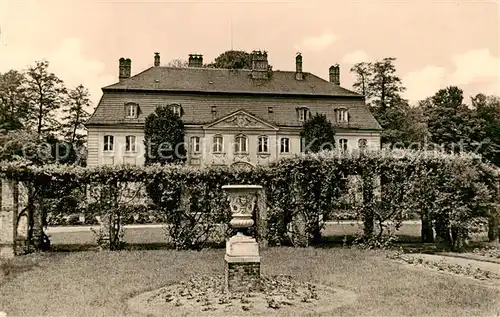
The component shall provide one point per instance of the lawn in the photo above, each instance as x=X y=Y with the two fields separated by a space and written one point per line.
x=99 y=283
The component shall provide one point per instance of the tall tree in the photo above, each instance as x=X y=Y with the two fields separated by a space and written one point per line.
x=318 y=134
x=378 y=82
x=364 y=74
x=13 y=101
x=164 y=137
x=233 y=59
x=403 y=124
x=72 y=148
x=46 y=93
x=384 y=85
x=488 y=113
x=451 y=123
x=76 y=114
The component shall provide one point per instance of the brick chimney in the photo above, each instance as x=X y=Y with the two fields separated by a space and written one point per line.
x=157 y=59
x=260 y=66
x=195 y=60
x=124 y=68
x=335 y=74
x=298 y=67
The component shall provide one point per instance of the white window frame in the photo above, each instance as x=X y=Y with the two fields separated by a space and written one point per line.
x=217 y=147
x=109 y=143
x=343 y=145
x=303 y=114
x=195 y=144
x=240 y=144
x=131 y=110
x=342 y=115
x=285 y=145
x=130 y=146
x=176 y=109
x=263 y=144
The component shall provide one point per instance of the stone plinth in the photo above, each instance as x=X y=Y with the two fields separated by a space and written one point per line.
x=241 y=276
x=242 y=264
x=242 y=260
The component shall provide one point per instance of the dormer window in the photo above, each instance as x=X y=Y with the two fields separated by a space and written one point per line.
x=303 y=114
x=131 y=110
x=342 y=115
x=176 y=109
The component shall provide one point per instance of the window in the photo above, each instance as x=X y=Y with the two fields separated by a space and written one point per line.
x=285 y=145
x=131 y=109
x=342 y=115
x=362 y=144
x=302 y=145
x=240 y=144
x=343 y=145
x=218 y=144
x=303 y=114
x=195 y=144
x=109 y=141
x=176 y=109
x=130 y=145
x=263 y=144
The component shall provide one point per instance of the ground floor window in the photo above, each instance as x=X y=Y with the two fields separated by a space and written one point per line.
x=285 y=145
x=195 y=144
x=217 y=144
x=240 y=144
x=343 y=145
x=130 y=144
x=263 y=144
x=109 y=141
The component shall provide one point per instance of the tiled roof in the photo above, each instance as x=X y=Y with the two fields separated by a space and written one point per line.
x=198 y=90
x=198 y=108
x=228 y=81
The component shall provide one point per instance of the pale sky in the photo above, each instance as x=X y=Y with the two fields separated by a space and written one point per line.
x=436 y=43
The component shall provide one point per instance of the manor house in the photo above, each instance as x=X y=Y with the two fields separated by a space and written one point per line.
x=245 y=116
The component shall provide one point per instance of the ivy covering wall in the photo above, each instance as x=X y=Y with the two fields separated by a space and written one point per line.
x=452 y=194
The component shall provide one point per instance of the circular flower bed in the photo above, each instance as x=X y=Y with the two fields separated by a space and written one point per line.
x=203 y=295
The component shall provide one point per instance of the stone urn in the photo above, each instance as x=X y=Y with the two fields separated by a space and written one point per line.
x=242 y=251
x=242 y=199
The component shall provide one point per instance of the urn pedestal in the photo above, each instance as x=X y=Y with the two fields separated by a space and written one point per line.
x=242 y=259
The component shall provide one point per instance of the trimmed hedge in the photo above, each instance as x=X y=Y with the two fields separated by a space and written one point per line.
x=453 y=194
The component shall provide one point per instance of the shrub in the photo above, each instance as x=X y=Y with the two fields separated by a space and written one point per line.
x=318 y=134
x=163 y=131
x=454 y=193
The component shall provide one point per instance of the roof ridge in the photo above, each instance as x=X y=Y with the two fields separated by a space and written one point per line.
x=228 y=80
x=345 y=89
x=209 y=68
x=128 y=78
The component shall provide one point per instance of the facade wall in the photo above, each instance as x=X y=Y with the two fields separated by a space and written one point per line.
x=119 y=155
x=98 y=156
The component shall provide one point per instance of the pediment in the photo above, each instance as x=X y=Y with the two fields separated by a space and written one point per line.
x=241 y=119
